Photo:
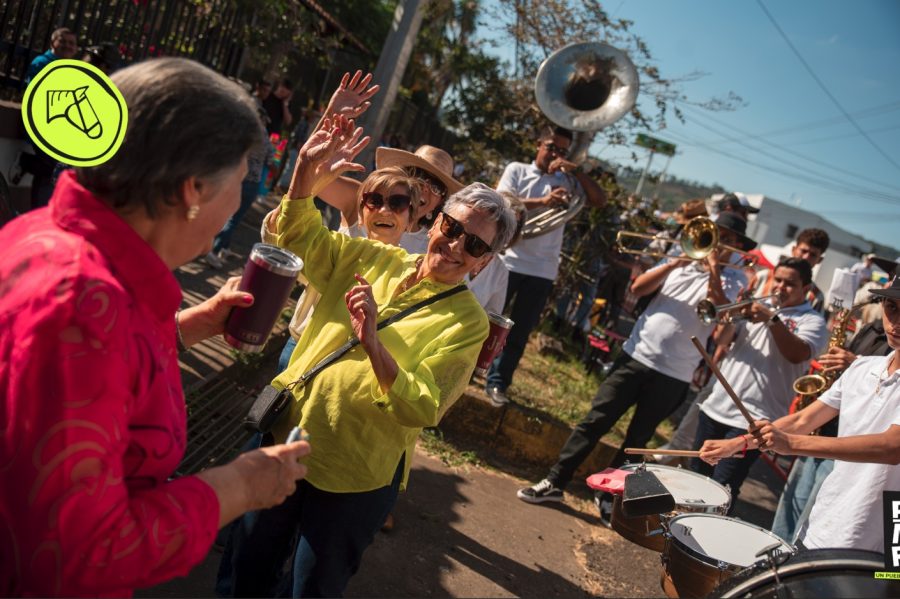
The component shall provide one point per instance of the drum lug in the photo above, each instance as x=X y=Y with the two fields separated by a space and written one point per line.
x=722 y=565
x=656 y=531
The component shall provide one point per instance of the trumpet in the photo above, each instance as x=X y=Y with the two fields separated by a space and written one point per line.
x=699 y=238
x=710 y=313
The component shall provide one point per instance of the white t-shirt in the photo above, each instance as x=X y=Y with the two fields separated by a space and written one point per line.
x=535 y=256
x=847 y=512
x=661 y=338
x=489 y=286
x=757 y=371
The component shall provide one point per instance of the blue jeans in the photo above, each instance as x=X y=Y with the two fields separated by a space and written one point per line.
x=525 y=299
x=730 y=471
x=248 y=195
x=285 y=358
x=326 y=532
x=799 y=495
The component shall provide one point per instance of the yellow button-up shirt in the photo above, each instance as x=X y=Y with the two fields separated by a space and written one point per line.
x=358 y=433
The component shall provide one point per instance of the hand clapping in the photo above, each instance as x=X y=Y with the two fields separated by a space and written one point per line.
x=326 y=155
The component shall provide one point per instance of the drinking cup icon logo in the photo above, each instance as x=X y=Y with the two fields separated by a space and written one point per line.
x=74 y=113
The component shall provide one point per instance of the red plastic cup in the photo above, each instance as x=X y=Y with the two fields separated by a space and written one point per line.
x=496 y=339
x=269 y=276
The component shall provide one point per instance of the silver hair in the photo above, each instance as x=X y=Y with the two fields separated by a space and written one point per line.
x=479 y=196
x=184 y=120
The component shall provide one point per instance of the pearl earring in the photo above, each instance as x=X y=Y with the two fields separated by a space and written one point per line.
x=192 y=212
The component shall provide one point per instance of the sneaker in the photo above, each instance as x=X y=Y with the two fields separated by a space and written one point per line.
x=226 y=254
x=541 y=492
x=497 y=396
x=213 y=260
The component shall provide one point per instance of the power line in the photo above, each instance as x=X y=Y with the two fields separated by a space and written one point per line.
x=847 y=189
x=744 y=141
x=823 y=123
x=823 y=87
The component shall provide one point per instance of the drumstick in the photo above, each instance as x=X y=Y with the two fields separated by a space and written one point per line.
x=685 y=453
x=728 y=389
x=677 y=452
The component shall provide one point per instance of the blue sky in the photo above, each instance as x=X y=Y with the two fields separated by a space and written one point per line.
x=790 y=141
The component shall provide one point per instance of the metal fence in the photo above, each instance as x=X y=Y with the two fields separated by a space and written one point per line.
x=209 y=32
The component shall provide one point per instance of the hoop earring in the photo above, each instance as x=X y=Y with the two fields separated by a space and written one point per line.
x=192 y=213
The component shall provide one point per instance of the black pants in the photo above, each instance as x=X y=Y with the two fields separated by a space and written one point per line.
x=629 y=383
x=525 y=300
x=730 y=471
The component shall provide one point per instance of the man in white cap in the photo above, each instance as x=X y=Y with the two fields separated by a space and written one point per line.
x=533 y=263
x=863 y=268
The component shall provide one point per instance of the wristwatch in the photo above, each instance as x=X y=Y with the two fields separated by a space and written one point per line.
x=773 y=320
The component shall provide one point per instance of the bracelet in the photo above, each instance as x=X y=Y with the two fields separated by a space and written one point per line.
x=746 y=444
x=179 y=340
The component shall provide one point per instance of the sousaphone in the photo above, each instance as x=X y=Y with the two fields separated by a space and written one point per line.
x=583 y=87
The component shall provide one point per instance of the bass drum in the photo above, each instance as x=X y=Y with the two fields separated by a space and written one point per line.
x=819 y=573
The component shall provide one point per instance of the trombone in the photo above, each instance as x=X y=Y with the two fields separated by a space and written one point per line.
x=710 y=313
x=699 y=237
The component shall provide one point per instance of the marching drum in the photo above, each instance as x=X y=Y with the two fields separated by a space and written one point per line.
x=693 y=493
x=820 y=573
x=702 y=550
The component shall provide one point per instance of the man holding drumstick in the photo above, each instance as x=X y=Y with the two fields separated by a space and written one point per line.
x=847 y=510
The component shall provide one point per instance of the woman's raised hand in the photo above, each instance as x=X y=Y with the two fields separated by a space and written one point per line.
x=363 y=311
x=351 y=98
x=326 y=155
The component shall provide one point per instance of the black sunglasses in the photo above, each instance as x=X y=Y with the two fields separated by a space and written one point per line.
x=396 y=202
x=452 y=228
x=555 y=149
x=436 y=186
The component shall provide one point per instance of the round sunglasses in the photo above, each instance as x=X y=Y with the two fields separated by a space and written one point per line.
x=452 y=228
x=396 y=202
x=430 y=182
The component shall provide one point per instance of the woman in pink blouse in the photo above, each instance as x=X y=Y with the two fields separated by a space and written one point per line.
x=92 y=415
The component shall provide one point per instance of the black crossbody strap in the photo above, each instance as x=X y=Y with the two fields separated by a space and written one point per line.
x=354 y=341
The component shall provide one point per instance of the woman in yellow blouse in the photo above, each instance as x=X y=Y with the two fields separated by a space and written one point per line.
x=364 y=412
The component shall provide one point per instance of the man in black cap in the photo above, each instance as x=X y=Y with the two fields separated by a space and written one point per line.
x=655 y=369
x=848 y=509
x=736 y=203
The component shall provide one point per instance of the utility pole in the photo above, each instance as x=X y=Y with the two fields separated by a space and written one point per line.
x=389 y=72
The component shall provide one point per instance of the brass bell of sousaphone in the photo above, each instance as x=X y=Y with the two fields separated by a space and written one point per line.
x=583 y=87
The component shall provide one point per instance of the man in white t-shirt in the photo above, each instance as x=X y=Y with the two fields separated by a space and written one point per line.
x=548 y=182
x=658 y=359
x=863 y=268
x=772 y=347
x=847 y=512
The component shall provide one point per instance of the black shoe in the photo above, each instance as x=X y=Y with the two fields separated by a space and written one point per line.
x=541 y=492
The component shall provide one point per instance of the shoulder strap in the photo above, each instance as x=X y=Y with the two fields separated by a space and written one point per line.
x=354 y=341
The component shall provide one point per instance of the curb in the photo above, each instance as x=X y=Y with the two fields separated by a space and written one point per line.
x=518 y=434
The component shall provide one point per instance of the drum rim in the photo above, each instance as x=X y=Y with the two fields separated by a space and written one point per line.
x=716 y=483
x=758 y=574
x=708 y=560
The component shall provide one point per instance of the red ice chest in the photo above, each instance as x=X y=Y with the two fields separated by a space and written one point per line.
x=611 y=480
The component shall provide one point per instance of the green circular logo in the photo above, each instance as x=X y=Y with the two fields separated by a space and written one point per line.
x=74 y=113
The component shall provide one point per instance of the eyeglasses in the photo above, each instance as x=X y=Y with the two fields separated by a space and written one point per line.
x=452 y=228
x=396 y=202
x=431 y=182
x=555 y=149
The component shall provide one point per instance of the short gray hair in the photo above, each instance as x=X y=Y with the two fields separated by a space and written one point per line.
x=184 y=120
x=479 y=196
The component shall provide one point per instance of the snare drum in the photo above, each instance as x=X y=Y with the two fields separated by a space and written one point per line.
x=693 y=493
x=702 y=550
x=820 y=573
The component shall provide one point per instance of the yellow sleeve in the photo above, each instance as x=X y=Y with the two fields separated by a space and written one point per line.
x=299 y=229
x=420 y=397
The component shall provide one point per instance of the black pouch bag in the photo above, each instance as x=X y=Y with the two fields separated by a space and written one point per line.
x=267 y=408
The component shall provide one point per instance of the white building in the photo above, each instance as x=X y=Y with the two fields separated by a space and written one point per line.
x=775 y=229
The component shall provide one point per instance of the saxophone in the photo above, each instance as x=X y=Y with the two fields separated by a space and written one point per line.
x=810 y=386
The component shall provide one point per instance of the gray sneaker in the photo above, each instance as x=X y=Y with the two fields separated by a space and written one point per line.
x=497 y=396
x=540 y=493
x=213 y=260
